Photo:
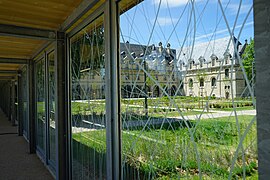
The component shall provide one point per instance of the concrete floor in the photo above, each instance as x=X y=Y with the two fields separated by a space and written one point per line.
x=15 y=161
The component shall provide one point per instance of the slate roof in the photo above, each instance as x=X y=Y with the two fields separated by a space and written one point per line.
x=206 y=50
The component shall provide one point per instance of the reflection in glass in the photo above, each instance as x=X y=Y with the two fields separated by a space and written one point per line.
x=88 y=102
x=25 y=102
x=172 y=124
x=40 y=105
x=51 y=101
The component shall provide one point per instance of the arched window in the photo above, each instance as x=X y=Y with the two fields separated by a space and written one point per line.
x=173 y=90
x=201 y=82
x=214 y=82
x=226 y=73
x=190 y=83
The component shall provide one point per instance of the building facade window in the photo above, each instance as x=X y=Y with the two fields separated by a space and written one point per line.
x=201 y=82
x=213 y=62
x=226 y=73
x=190 y=83
x=214 y=82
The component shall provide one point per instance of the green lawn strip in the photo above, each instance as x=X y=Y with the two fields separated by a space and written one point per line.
x=137 y=106
x=88 y=108
x=174 y=114
x=168 y=152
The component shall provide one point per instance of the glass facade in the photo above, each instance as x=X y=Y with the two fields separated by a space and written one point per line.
x=177 y=119
x=88 y=102
x=45 y=114
x=51 y=106
x=172 y=127
x=40 y=106
x=25 y=115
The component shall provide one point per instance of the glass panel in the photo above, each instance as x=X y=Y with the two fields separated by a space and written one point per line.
x=88 y=102
x=175 y=124
x=51 y=103
x=25 y=102
x=40 y=105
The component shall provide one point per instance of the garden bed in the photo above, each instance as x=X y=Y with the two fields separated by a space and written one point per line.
x=170 y=152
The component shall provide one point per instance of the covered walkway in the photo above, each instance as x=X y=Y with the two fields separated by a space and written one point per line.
x=54 y=55
x=16 y=161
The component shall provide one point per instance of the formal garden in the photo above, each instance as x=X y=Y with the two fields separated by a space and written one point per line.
x=214 y=148
x=181 y=149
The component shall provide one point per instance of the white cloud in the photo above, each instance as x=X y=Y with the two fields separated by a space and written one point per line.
x=233 y=8
x=223 y=32
x=164 y=21
x=171 y=3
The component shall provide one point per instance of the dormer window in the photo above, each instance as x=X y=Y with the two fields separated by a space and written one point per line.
x=202 y=60
x=213 y=59
x=227 y=56
x=191 y=63
x=213 y=62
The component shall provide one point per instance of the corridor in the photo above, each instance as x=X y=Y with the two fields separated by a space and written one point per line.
x=15 y=160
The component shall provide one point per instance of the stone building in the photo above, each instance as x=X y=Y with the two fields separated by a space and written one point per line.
x=212 y=69
x=160 y=70
x=158 y=62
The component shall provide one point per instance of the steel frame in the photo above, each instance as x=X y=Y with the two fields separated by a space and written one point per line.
x=262 y=49
x=26 y=32
x=13 y=61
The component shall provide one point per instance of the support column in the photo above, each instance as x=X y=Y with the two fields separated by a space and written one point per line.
x=13 y=106
x=62 y=165
x=113 y=93
x=20 y=105
x=262 y=54
x=31 y=106
x=9 y=100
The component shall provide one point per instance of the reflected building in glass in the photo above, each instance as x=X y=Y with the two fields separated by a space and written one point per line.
x=208 y=69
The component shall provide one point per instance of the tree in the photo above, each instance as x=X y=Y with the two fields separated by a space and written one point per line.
x=248 y=59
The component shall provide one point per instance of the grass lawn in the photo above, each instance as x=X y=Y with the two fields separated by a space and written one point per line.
x=178 y=152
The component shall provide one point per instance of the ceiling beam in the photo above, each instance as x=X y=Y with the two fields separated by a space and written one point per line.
x=8 y=72
x=7 y=77
x=77 y=13
x=26 y=32
x=13 y=61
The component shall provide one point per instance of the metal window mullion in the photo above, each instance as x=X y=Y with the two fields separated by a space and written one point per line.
x=46 y=108
x=20 y=104
x=69 y=114
x=13 y=102
x=262 y=53
x=113 y=118
x=31 y=107
x=61 y=110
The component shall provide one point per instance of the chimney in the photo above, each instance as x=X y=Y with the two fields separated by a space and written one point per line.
x=160 y=49
x=169 y=48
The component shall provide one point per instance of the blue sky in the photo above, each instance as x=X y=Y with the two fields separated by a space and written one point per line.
x=176 y=23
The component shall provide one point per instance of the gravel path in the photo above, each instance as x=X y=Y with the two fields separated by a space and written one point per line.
x=15 y=160
x=217 y=114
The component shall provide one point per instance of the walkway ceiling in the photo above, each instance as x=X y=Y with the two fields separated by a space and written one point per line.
x=28 y=25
